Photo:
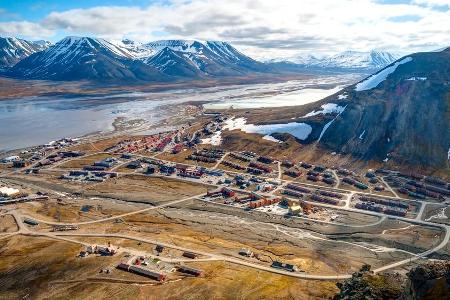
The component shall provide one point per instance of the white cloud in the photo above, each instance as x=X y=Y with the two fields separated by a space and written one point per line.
x=24 y=29
x=433 y=2
x=265 y=28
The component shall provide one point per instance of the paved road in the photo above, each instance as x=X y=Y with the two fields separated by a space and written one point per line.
x=338 y=180
x=422 y=209
x=389 y=187
x=212 y=256
x=438 y=247
x=220 y=160
x=24 y=230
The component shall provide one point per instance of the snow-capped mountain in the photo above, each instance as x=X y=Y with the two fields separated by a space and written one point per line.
x=76 y=58
x=345 y=61
x=386 y=116
x=173 y=63
x=357 y=60
x=210 y=58
x=12 y=50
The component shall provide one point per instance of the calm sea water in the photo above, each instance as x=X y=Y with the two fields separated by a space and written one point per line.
x=37 y=120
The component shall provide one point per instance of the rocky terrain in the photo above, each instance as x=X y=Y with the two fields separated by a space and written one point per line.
x=427 y=281
x=399 y=116
x=404 y=117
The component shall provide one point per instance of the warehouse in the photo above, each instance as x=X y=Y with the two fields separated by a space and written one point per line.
x=190 y=271
x=142 y=271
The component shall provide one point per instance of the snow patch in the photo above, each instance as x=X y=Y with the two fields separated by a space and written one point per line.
x=326 y=109
x=441 y=215
x=416 y=79
x=298 y=130
x=328 y=125
x=342 y=96
x=374 y=80
x=361 y=136
x=325 y=129
x=271 y=138
x=215 y=139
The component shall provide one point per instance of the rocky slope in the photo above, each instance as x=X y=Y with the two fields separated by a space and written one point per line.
x=12 y=50
x=428 y=281
x=400 y=114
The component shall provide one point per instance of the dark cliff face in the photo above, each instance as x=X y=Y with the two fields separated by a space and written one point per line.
x=405 y=118
x=428 y=281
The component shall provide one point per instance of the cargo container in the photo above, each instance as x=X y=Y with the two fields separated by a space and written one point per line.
x=286 y=267
x=30 y=222
x=190 y=255
x=189 y=270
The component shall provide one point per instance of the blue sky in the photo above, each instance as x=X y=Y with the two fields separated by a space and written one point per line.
x=261 y=27
x=34 y=10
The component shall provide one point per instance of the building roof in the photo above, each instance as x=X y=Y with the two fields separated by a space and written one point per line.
x=8 y=191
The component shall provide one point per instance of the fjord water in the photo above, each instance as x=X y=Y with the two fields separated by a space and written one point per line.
x=38 y=120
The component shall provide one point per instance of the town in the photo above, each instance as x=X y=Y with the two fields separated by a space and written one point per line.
x=239 y=183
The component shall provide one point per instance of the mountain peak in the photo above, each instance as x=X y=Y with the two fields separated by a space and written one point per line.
x=349 y=60
x=12 y=50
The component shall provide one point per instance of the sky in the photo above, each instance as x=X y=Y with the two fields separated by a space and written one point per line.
x=261 y=28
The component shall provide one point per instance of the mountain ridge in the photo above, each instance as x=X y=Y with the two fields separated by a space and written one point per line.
x=12 y=50
x=76 y=58
x=387 y=115
x=349 y=60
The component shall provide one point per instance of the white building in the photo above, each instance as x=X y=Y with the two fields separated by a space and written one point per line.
x=4 y=190
x=10 y=159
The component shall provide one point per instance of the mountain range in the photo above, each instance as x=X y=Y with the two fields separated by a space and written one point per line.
x=78 y=58
x=347 y=61
x=399 y=114
x=12 y=50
